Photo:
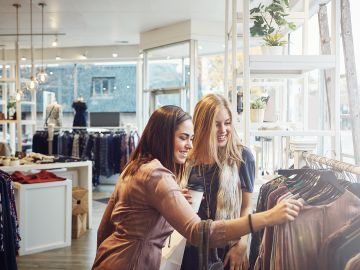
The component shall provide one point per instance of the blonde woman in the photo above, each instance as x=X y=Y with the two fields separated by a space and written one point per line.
x=226 y=169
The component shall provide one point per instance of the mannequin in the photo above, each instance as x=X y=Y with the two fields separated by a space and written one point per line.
x=80 y=112
x=54 y=114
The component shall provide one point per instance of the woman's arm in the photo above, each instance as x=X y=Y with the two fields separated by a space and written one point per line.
x=106 y=227
x=165 y=195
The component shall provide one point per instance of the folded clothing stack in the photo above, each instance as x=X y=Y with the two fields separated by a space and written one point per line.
x=41 y=177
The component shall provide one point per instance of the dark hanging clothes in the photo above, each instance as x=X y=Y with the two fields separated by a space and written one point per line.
x=80 y=114
x=108 y=151
x=9 y=228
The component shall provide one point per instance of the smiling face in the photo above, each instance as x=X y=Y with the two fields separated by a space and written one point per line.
x=223 y=127
x=184 y=135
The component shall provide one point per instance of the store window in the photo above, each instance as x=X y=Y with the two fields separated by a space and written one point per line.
x=103 y=87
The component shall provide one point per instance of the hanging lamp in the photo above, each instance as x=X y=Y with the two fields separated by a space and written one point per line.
x=42 y=76
x=17 y=71
x=32 y=83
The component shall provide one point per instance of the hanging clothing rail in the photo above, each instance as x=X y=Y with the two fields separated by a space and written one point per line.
x=85 y=128
x=335 y=164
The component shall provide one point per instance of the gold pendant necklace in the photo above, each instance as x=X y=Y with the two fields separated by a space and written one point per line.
x=208 y=194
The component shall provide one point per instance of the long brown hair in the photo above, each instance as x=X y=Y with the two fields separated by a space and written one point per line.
x=205 y=142
x=157 y=140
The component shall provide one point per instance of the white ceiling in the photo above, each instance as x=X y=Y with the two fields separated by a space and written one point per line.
x=100 y=22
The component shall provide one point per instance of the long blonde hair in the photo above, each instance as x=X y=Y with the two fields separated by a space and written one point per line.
x=205 y=141
x=205 y=149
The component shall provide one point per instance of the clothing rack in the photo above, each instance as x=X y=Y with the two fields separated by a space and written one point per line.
x=301 y=152
x=349 y=171
x=334 y=164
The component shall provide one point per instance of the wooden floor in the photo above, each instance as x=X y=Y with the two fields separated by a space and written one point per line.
x=80 y=255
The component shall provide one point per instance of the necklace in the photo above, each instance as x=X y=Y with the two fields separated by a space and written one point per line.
x=208 y=194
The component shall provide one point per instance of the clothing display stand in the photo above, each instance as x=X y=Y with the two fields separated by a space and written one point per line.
x=44 y=211
x=79 y=172
x=301 y=152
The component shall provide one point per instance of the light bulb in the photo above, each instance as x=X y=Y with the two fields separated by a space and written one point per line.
x=42 y=76
x=54 y=43
x=18 y=95
x=32 y=84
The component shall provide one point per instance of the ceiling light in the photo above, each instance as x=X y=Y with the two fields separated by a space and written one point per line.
x=57 y=58
x=42 y=76
x=23 y=58
x=55 y=42
x=200 y=47
x=114 y=55
x=17 y=70
x=32 y=83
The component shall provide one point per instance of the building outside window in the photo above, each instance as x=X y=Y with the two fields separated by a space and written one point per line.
x=103 y=87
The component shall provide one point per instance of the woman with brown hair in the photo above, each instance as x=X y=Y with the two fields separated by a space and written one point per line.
x=226 y=169
x=147 y=203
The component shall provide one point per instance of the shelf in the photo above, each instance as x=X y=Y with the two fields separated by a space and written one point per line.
x=27 y=102
x=2 y=122
x=275 y=125
x=7 y=80
x=28 y=122
x=290 y=64
x=287 y=133
x=295 y=17
x=287 y=66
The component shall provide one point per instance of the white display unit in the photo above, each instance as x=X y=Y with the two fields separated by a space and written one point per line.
x=81 y=176
x=44 y=215
x=9 y=85
x=9 y=126
x=282 y=67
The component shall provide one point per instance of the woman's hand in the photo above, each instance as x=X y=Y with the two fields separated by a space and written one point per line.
x=187 y=195
x=284 y=211
x=237 y=257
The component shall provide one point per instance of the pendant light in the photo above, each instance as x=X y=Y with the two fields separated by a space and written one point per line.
x=33 y=83
x=17 y=71
x=42 y=76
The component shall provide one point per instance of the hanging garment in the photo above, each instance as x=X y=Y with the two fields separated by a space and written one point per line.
x=339 y=248
x=80 y=114
x=54 y=114
x=297 y=244
x=354 y=263
x=9 y=227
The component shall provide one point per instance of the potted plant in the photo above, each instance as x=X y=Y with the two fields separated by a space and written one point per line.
x=257 y=110
x=271 y=24
x=11 y=109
